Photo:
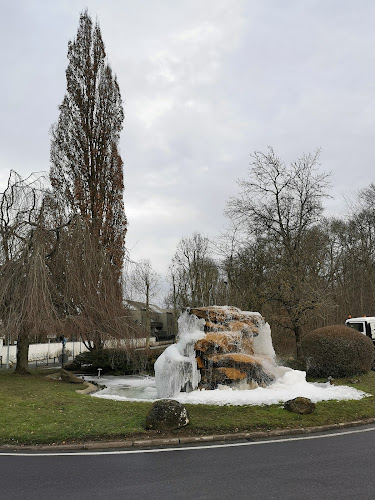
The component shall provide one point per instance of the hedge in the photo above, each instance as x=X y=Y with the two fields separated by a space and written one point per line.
x=337 y=351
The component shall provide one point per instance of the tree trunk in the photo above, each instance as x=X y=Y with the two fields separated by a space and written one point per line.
x=148 y=322
x=297 y=333
x=22 y=367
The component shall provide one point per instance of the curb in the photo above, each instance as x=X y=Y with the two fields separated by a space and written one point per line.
x=90 y=388
x=175 y=441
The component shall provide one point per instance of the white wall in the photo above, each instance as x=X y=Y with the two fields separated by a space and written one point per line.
x=42 y=351
x=54 y=349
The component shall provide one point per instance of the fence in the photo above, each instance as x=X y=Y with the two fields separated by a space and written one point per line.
x=41 y=353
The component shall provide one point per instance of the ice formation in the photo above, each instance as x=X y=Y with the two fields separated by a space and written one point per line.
x=217 y=346
x=176 y=368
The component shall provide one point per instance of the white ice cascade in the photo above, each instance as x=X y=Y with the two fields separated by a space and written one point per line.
x=176 y=368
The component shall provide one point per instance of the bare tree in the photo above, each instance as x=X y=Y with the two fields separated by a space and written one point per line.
x=194 y=274
x=92 y=302
x=146 y=283
x=352 y=256
x=282 y=206
x=27 y=302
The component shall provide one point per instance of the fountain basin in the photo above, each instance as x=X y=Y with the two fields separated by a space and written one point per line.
x=223 y=356
x=288 y=386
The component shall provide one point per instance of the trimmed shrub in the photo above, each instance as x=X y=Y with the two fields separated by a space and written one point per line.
x=117 y=361
x=337 y=351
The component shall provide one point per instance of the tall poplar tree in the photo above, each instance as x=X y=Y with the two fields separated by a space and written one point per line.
x=87 y=180
x=86 y=167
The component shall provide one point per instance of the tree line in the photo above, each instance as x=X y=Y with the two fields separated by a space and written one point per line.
x=283 y=256
x=62 y=234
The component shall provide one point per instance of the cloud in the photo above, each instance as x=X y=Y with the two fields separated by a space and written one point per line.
x=204 y=85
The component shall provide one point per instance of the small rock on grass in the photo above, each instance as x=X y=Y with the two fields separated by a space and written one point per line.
x=300 y=405
x=167 y=414
x=70 y=377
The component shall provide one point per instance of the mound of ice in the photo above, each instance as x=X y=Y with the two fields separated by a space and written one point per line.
x=176 y=368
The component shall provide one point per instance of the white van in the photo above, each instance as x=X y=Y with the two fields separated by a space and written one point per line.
x=365 y=325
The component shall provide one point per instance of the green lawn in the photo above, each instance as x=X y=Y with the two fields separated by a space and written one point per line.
x=34 y=409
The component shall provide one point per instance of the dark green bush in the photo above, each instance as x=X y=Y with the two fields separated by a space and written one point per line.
x=117 y=361
x=337 y=351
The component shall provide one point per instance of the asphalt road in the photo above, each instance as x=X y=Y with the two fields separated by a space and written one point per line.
x=333 y=467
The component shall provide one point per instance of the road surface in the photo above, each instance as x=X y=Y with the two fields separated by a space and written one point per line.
x=331 y=466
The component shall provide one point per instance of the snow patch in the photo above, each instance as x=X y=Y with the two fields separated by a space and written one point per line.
x=289 y=386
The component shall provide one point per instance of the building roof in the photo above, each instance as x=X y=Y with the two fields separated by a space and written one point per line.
x=139 y=306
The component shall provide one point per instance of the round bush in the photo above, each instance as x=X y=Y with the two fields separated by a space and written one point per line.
x=337 y=351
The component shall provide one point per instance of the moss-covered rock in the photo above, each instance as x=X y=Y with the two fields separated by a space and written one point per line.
x=300 y=405
x=167 y=414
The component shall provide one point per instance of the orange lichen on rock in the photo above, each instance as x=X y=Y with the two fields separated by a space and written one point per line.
x=214 y=327
x=232 y=373
x=237 y=358
x=246 y=345
x=241 y=326
x=218 y=342
x=200 y=363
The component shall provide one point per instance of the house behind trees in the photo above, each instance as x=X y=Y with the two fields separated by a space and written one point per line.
x=163 y=324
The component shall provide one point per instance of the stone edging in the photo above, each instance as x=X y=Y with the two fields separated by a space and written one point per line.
x=90 y=388
x=174 y=441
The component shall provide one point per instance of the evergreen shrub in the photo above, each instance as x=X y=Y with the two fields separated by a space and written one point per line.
x=337 y=351
x=117 y=361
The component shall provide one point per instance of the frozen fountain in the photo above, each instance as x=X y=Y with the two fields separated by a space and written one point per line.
x=217 y=346
x=223 y=356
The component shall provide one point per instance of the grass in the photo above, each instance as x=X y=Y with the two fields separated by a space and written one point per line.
x=37 y=410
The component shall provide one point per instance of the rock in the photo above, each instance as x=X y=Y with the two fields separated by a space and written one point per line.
x=215 y=343
x=226 y=315
x=226 y=354
x=227 y=369
x=300 y=405
x=70 y=377
x=232 y=373
x=167 y=414
x=355 y=380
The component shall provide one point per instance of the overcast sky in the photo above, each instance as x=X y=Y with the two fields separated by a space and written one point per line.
x=204 y=83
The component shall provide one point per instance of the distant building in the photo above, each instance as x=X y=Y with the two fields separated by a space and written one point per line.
x=163 y=324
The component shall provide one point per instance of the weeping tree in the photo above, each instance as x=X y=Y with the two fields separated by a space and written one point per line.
x=93 y=309
x=27 y=301
x=86 y=167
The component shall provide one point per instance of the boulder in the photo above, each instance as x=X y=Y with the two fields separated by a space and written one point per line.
x=215 y=343
x=220 y=316
x=70 y=377
x=166 y=414
x=225 y=355
x=300 y=405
